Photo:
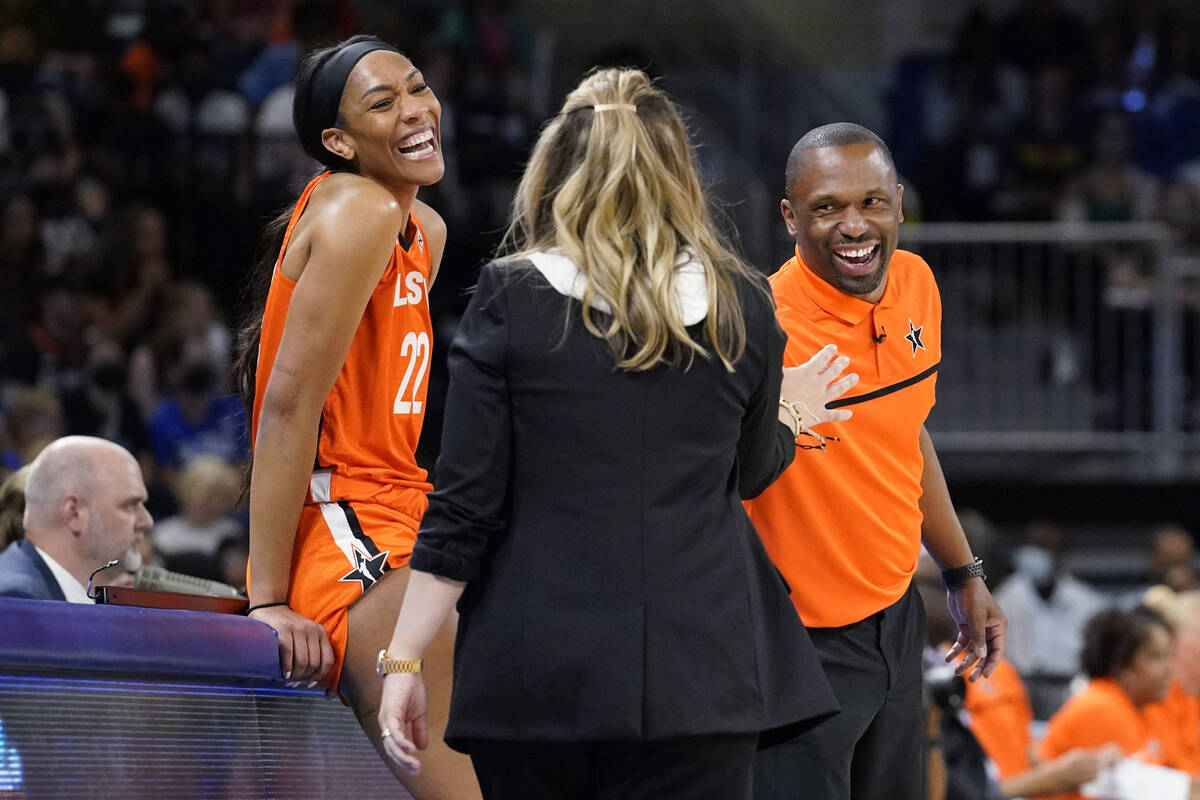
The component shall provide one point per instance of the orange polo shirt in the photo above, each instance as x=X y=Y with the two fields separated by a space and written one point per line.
x=1001 y=718
x=844 y=526
x=1175 y=720
x=1100 y=714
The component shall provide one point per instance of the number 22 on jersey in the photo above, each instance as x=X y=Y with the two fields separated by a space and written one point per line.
x=415 y=347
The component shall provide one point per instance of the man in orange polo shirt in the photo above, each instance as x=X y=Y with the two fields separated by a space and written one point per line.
x=845 y=526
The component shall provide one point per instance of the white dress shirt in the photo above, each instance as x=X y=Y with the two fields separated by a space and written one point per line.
x=74 y=591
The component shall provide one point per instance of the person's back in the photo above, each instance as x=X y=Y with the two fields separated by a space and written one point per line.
x=615 y=391
x=624 y=496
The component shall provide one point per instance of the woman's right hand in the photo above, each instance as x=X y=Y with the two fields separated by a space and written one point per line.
x=813 y=384
x=304 y=650
x=402 y=710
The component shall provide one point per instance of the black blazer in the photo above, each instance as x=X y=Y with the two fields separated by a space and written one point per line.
x=617 y=588
x=24 y=573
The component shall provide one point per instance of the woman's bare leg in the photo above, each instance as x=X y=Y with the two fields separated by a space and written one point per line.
x=445 y=774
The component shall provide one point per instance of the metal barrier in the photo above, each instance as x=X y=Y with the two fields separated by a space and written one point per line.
x=1069 y=350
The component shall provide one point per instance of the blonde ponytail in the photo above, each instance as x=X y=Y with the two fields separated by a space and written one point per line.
x=612 y=184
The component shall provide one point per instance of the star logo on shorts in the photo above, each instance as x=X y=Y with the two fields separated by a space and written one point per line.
x=369 y=569
x=913 y=337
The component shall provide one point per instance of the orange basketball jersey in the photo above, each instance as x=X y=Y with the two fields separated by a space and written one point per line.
x=371 y=420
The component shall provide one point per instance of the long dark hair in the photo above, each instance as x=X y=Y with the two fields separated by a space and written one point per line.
x=258 y=280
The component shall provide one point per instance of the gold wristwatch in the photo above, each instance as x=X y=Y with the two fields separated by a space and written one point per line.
x=386 y=665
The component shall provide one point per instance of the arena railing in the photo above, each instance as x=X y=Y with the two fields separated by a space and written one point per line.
x=1069 y=350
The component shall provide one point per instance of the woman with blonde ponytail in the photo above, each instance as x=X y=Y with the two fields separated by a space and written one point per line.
x=615 y=392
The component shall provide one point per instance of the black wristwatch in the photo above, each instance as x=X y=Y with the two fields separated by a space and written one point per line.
x=955 y=578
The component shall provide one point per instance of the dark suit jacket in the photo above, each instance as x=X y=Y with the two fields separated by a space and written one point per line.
x=617 y=588
x=23 y=573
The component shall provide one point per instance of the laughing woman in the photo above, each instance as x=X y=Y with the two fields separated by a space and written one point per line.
x=335 y=368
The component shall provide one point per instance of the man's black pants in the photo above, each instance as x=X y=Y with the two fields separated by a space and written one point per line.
x=875 y=748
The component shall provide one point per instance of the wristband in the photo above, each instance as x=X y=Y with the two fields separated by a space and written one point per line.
x=266 y=605
x=955 y=578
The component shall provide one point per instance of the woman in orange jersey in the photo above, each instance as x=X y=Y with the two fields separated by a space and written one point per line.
x=994 y=714
x=1176 y=718
x=1127 y=656
x=335 y=368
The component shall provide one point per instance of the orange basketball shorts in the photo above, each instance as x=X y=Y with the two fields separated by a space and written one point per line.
x=341 y=550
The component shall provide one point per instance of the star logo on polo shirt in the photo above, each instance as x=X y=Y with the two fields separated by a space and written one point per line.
x=913 y=337
x=369 y=569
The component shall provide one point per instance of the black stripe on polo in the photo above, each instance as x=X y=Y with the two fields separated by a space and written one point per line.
x=886 y=390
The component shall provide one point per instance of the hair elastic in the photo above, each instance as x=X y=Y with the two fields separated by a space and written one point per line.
x=615 y=107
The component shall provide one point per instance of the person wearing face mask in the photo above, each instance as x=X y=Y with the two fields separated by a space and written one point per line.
x=100 y=405
x=1047 y=608
x=197 y=420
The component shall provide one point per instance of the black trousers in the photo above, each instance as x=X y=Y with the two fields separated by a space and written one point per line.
x=874 y=748
x=687 y=768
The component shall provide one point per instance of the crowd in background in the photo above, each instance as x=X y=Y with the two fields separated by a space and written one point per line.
x=143 y=145
x=1043 y=115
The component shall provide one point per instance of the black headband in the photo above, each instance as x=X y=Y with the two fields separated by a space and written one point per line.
x=326 y=95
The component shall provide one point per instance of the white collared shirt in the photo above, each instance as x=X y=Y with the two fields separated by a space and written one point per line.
x=691 y=284
x=74 y=591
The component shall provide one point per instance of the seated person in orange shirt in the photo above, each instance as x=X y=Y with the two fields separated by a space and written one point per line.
x=999 y=717
x=1176 y=718
x=1128 y=656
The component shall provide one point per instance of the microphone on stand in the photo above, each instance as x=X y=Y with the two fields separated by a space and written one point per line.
x=157 y=579
x=89 y=591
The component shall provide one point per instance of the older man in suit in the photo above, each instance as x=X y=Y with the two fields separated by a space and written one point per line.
x=84 y=506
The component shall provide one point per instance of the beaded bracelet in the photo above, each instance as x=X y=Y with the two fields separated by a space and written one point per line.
x=803 y=430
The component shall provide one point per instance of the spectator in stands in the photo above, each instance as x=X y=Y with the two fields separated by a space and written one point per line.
x=50 y=349
x=129 y=280
x=1127 y=655
x=189 y=326
x=100 y=405
x=1112 y=188
x=33 y=419
x=198 y=420
x=84 y=506
x=1172 y=558
x=1179 y=209
x=12 y=506
x=992 y=720
x=1046 y=149
x=1176 y=718
x=1047 y=608
x=22 y=261
x=208 y=489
